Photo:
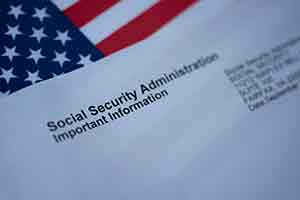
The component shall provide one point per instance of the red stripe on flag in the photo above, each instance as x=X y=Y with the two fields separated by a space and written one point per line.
x=144 y=25
x=84 y=11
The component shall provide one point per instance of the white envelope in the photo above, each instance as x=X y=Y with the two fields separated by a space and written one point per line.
x=216 y=116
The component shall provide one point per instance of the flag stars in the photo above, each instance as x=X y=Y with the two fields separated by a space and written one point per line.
x=10 y=52
x=33 y=77
x=7 y=74
x=54 y=75
x=63 y=36
x=38 y=34
x=16 y=11
x=4 y=94
x=13 y=31
x=85 y=60
x=35 y=55
x=60 y=58
x=41 y=14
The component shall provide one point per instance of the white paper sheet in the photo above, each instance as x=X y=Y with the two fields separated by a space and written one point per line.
x=227 y=127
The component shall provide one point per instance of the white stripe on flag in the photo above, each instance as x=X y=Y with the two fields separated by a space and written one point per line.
x=64 y=4
x=111 y=20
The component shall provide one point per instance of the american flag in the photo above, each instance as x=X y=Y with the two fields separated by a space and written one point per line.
x=40 y=39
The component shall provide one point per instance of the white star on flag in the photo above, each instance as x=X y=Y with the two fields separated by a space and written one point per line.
x=63 y=37
x=41 y=14
x=16 y=11
x=85 y=60
x=35 y=55
x=33 y=77
x=10 y=53
x=38 y=34
x=4 y=94
x=13 y=31
x=54 y=75
x=7 y=75
x=60 y=58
